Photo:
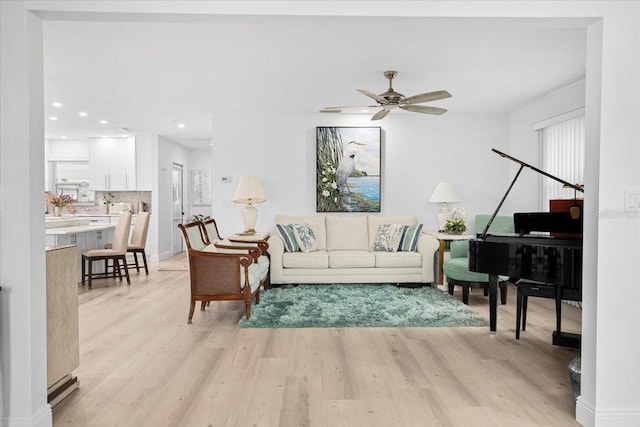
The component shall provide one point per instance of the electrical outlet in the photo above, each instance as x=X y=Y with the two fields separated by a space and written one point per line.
x=632 y=200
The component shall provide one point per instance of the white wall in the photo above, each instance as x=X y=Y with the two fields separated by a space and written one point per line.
x=524 y=142
x=198 y=159
x=169 y=152
x=418 y=151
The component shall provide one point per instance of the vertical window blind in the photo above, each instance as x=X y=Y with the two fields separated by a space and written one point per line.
x=562 y=149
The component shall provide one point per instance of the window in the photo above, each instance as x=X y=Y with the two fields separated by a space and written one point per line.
x=562 y=149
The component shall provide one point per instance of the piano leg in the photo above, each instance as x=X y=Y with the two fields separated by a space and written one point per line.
x=493 y=302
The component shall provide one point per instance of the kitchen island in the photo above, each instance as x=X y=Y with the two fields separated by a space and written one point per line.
x=61 y=231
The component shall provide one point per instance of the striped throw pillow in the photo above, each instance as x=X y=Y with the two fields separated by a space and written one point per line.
x=409 y=239
x=288 y=237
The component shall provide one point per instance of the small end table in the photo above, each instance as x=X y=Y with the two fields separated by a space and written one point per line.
x=442 y=238
x=258 y=236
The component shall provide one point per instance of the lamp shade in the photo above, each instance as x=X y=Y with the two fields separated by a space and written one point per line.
x=249 y=190
x=444 y=193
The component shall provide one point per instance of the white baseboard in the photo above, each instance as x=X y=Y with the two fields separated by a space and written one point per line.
x=588 y=416
x=43 y=418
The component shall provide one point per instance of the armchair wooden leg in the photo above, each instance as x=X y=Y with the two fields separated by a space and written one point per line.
x=258 y=297
x=203 y=304
x=247 y=309
x=192 y=308
x=451 y=288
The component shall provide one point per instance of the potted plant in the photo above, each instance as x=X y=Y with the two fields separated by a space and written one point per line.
x=456 y=224
x=58 y=201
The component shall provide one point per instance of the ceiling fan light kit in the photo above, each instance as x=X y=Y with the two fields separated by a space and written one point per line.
x=391 y=99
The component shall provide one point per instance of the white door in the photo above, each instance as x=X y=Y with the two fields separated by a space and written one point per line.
x=178 y=207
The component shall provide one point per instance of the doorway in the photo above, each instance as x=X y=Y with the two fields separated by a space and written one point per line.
x=177 y=179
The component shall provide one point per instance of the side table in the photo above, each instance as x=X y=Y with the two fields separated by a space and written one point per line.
x=442 y=238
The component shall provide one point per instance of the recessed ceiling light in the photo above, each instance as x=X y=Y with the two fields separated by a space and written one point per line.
x=82 y=114
x=181 y=125
x=56 y=104
x=63 y=137
x=103 y=122
x=364 y=111
x=54 y=118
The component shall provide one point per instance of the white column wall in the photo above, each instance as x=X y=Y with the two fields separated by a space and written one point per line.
x=23 y=352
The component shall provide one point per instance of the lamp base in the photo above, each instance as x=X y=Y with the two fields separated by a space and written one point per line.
x=443 y=216
x=249 y=217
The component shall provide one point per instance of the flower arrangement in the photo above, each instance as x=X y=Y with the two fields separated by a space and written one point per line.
x=58 y=200
x=107 y=199
x=456 y=224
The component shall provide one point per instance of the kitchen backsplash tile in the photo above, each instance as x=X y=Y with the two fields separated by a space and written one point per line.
x=133 y=197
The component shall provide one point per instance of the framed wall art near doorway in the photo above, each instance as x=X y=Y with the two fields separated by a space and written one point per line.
x=348 y=173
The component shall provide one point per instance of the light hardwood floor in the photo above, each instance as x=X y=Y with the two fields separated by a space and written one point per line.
x=142 y=365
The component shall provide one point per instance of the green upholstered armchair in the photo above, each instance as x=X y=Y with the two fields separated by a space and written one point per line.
x=456 y=269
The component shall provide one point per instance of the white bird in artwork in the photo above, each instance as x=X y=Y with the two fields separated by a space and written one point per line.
x=348 y=163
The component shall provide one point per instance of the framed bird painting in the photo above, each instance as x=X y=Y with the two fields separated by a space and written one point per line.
x=348 y=169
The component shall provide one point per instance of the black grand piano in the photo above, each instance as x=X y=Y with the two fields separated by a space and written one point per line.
x=546 y=247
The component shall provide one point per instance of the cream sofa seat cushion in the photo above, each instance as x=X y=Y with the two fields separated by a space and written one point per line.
x=316 y=259
x=347 y=233
x=376 y=221
x=398 y=259
x=351 y=259
x=317 y=224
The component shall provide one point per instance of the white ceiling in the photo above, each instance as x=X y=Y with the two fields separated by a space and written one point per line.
x=150 y=76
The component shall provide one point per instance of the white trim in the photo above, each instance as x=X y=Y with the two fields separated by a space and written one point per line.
x=559 y=118
x=42 y=418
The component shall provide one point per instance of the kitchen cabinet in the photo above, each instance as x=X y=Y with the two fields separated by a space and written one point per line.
x=112 y=163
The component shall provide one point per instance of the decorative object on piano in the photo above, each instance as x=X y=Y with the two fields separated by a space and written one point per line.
x=58 y=201
x=575 y=210
x=444 y=193
x=348 y=169
x=456 y=224
x=249 y=191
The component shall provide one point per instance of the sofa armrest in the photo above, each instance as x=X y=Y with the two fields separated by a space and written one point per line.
x=427 y=247
x=276 y=252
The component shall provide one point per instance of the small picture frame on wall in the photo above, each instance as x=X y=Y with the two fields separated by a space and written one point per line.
x=348 y=173
x=200 y=187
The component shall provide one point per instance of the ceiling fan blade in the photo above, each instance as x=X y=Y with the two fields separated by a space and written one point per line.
x=424 y=109
x=372 y=95
x=355 y=109
x=426 y=97
x=380 y=114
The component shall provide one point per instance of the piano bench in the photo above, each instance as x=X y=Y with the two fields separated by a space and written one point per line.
x=466 y=286
x=530 y=288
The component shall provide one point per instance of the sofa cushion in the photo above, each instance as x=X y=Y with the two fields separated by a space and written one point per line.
x=347 y=233
x=317 y=259
x=317 y=224
x=388 y=238
x=398 y=260
x=305 y=238
x=288 y=237
x=351 y=259
x=410 y=236
x=375 y=221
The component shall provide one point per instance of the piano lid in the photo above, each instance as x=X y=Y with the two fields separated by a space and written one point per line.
x=522 y=166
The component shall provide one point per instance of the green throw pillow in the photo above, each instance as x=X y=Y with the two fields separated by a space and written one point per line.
x=387 y=238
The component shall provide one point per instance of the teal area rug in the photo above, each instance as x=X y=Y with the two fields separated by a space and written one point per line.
x=321 y=306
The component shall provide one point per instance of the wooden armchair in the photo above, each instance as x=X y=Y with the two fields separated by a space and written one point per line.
x=220 y=276
x=210 y=235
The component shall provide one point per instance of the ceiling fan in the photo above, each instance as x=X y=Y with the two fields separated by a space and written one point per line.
x=391 y=99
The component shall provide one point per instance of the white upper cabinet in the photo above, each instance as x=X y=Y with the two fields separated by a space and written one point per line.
x=112 y=163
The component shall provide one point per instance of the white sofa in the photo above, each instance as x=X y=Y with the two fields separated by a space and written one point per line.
x=345 y=254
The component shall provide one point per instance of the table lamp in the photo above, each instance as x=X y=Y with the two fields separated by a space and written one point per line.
x=444 y=193
x=249 y=191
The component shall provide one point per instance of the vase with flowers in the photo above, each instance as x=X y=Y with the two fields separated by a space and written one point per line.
x=456 y=224
x=58 y=201
x=106 y=201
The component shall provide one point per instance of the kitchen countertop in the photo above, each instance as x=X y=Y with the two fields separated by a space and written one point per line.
x=75 y=229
